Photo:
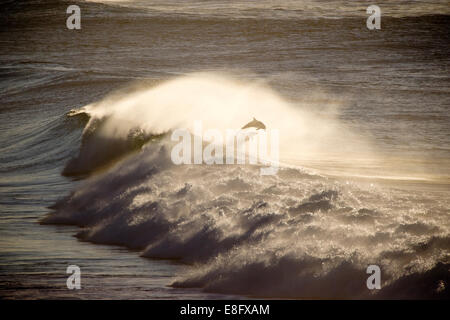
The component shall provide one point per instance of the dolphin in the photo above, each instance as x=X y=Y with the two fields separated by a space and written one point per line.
x=255 y=124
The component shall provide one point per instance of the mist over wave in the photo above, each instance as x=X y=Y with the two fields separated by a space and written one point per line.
x=295 y=234
x=126 y=120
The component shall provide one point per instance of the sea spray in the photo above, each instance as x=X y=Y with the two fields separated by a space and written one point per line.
x=126 y=120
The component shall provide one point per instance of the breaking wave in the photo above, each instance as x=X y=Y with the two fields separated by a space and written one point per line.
x=127 y=120
x=296 y=234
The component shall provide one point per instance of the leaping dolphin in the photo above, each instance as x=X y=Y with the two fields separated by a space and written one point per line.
x=255 y=124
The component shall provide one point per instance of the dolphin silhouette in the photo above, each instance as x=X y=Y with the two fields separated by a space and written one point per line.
x=255 y=124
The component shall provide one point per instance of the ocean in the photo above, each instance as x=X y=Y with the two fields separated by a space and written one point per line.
x=87 y=178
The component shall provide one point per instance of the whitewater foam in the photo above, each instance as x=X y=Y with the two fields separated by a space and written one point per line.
x=290 y=235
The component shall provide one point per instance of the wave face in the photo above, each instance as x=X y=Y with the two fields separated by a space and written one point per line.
x=297 y=234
